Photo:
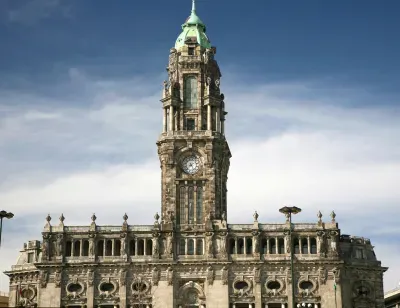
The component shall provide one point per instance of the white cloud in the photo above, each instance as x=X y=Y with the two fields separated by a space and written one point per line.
x=287 y=149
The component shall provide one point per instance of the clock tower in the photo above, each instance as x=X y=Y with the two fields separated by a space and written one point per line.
x=192 y=148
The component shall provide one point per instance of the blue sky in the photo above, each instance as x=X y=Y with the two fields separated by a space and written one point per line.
x=311 y=88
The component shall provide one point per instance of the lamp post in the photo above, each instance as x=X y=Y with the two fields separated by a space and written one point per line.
x=4 y=214
x=288 y=211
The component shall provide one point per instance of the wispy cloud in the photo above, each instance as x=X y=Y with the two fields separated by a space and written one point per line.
x=33 y=11
x=302 y=145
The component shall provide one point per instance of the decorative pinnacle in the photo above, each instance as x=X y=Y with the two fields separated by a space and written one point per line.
x=125 y=217
x=193 y=6
x=319 y=215
x=333 y=216
x=48 y=218
x=62 y=218
x=156 y=217
x=93 y=217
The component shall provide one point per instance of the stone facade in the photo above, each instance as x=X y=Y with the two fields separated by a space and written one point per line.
x=191 y=256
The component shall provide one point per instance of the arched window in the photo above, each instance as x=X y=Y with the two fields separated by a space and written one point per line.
x=117 y=248
x=149 y=247
x=272 y=246
x=264 y=246
x=68 y=248
x=77 y=248
x=231 y=246
x=85 y=248
x=132 y=247
x=240 y=248
x=190 y=250
x=141 y=247
x=199 y=247
x=304 y=246
x=199 y=203
x=281 y=246
x=296 y=246
x=190 y=97
x=100 y=248
x=313 y=244
x=249 y=246
x=109 y=248
x=182 y=205
x=191 y=203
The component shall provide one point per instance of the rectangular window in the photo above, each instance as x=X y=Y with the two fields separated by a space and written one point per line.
x=190 y=124
x=191 y=203
x=182 y=205
x=191 y=51
x=182 y=247
x=199 y=204
x=30 y=257
x=190 y=92
x=359 y=253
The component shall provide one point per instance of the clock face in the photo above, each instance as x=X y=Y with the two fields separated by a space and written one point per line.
x=191 y=164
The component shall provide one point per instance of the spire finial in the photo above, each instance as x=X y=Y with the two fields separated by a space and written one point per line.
x=193 y=5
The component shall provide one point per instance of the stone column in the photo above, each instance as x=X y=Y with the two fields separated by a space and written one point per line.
x=164 y=120
x=283 y=305
x=72 y=248
x=308 y=245
x=136 y=246
x=267 y=246
x=81 y=248
x=244 y=246
x=209 y=127
x=236 y=246
x=186 y=247
x=276 y=245
x=171 y=118
x=218 y=120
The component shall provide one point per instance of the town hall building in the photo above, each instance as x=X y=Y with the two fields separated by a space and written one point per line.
x=191 y=255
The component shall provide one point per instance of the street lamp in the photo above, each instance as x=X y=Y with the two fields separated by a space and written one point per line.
x=4 y=214
x=288 y=211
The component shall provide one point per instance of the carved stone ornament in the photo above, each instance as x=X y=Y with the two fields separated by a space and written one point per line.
x=107 y=288
x=155 y=276
x=28 y=296
x=169 y=246
x=222 y=245
x=274 y=286
x=90 y=277
x=43 y=279
x=210 y=275
x=170 y=276
x=45 y=249
x=224 y=275
x=57 y=278
x=156 y=245
x=242 y=287
x=74 y=289
x=122 y=276
x=257 y=274
x=322 y=275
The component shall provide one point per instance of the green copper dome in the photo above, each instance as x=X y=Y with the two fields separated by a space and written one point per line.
x=194 y=30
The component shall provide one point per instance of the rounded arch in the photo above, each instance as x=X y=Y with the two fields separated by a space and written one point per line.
x=191 y=293
x=186 y=151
